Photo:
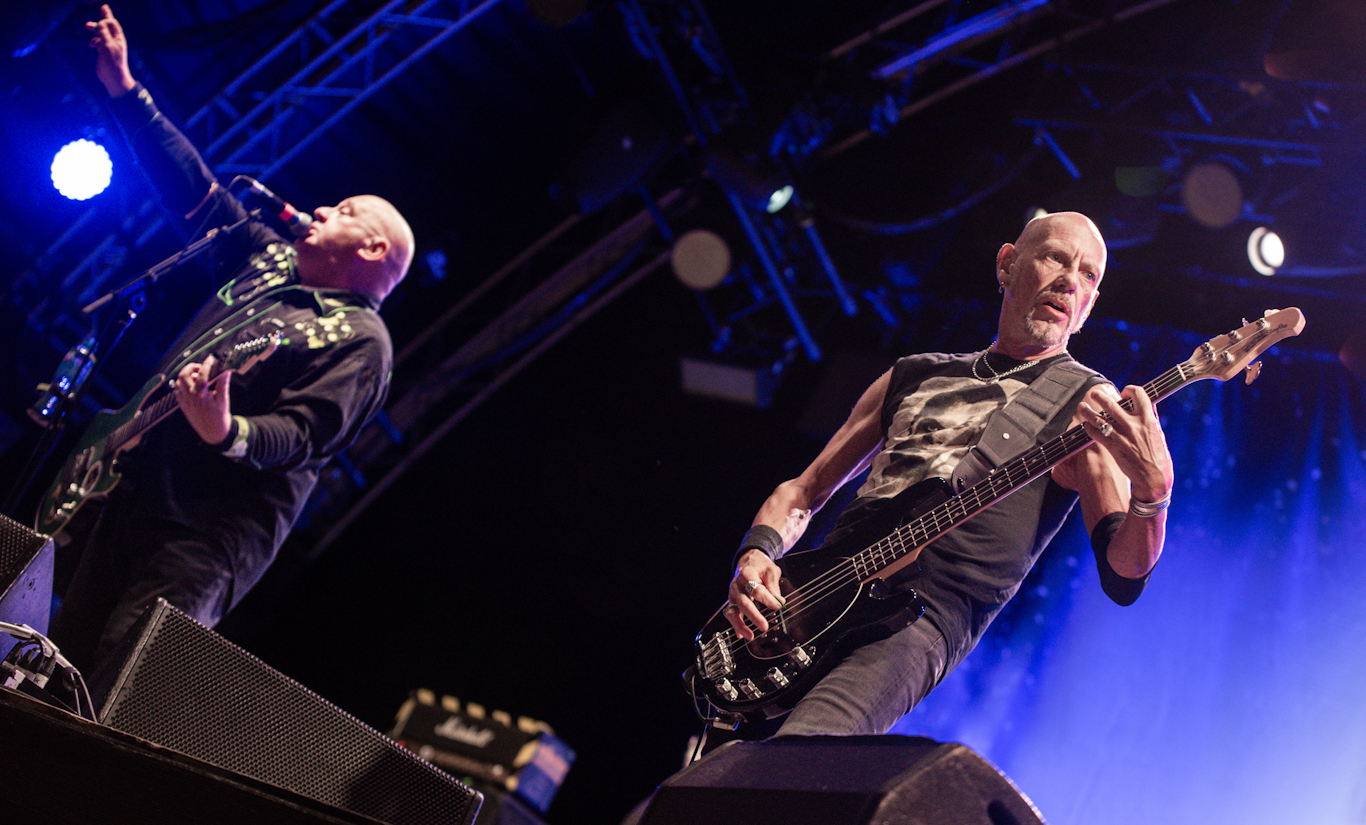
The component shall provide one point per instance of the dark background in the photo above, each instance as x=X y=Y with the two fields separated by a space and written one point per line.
x=555 y=553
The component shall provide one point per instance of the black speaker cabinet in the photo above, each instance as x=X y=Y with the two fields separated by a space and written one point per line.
x=61 y=768
x=25 y=579
x=182 y=686
x=841 y=780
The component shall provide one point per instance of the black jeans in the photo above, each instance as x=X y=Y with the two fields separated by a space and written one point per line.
x=132 y=557
x=874 y=686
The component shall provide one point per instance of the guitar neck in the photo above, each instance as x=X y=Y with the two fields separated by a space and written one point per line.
x=150 y=415
x=1220 y=358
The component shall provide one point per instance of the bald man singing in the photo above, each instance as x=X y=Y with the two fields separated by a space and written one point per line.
x=207 y=498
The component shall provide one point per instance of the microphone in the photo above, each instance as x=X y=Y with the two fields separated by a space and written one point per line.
x=298 y=222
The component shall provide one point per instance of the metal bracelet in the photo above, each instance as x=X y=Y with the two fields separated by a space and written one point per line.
x=1148 y=509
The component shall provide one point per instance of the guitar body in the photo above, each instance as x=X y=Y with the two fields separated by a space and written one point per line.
x=89 y=471
x=831 y=609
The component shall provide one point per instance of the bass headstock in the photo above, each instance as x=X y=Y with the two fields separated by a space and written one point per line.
x=1224 y=356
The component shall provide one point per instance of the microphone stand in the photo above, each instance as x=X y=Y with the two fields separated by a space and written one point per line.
x=62 y=395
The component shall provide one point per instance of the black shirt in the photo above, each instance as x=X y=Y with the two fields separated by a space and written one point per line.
x=297 y=408
x=934 y=411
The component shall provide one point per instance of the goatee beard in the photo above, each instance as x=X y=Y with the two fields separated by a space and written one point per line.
x=1043 y=333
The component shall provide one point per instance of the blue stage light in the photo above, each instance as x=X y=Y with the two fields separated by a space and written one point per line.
x=81 y=170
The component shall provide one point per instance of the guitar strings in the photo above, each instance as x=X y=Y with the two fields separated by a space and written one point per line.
x=956 y=510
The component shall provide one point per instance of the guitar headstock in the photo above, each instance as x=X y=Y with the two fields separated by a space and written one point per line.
x=248 y=354
x=1224 y=356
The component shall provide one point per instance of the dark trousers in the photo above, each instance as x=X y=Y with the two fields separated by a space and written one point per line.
x=131 y=557
x=874 y=686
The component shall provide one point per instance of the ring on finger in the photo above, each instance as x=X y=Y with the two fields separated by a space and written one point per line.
x=1105 y=429
x=751 y=586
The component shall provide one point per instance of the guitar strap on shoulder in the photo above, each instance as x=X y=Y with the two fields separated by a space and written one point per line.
x=1012 y=429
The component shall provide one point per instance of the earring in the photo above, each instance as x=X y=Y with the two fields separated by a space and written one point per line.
x=1001 y=288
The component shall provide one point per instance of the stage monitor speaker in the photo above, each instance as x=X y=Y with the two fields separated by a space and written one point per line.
x=62 y=768
x=25 y=579
x=182 y=686
x=841 y=780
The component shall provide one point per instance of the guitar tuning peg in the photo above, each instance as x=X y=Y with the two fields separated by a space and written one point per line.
x=1244 y=322
x=1253 y=370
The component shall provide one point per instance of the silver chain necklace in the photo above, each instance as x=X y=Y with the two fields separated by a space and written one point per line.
x=995 y=376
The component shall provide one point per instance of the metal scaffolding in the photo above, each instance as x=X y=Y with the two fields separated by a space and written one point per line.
x=329 y=65
x=294 y=94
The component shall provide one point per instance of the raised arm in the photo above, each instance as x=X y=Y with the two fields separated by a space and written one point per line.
x=783 y=516
x=111 y=54
x=171 y=163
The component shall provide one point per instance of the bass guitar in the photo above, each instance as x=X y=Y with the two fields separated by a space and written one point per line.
x=836 y=595
x=89 y=471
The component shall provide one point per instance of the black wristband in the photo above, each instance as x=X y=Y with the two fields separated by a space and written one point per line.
x=1121 y=589
x=760 y=537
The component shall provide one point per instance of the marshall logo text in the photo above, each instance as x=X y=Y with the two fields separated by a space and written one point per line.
x=468 y=734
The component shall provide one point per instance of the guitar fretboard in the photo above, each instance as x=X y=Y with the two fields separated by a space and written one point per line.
x=150 y=415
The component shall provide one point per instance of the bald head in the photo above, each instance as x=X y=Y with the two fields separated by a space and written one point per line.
x=362 y=244
x=394 y=228
x=1050 y=278
x=1041 y=226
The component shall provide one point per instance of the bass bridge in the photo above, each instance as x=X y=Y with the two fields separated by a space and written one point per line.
x=740 y=671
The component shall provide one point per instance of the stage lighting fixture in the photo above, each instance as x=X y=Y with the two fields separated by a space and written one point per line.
x=747 y=382
x=628 y=143
x=1212 y=194
x=1265 y=251
x=81 y=170
x=753 y=177
x=701 y=259
x=779 y=198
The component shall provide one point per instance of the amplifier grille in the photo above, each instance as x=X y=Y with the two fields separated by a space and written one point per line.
x=185 y=687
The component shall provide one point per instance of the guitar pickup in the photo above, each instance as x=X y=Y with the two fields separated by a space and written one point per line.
x=727 y=690
x=777 y=678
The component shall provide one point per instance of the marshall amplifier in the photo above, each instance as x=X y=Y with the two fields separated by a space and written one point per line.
x=522 y=755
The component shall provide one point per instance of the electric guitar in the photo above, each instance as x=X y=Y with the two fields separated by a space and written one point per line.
x=836 y=595
x=89 y=471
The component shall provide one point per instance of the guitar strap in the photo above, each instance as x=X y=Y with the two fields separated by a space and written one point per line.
x=1012 y=429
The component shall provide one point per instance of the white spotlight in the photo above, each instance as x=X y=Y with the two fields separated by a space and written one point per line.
x=1265 y=251
x=81 y=170
x=779 y=198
